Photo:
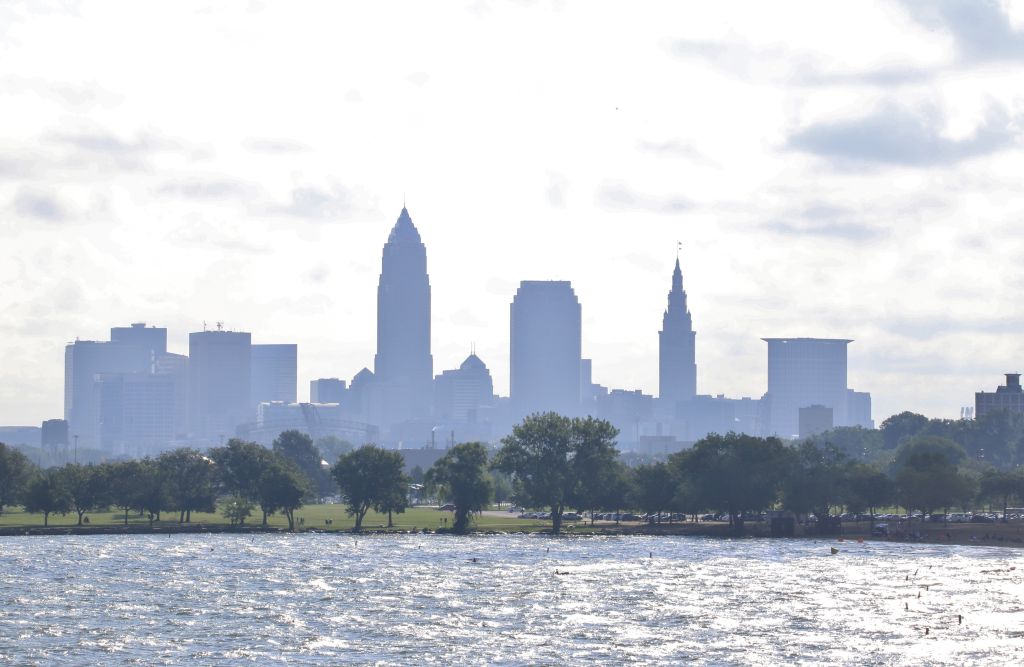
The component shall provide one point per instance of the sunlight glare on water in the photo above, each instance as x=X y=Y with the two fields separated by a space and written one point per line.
x=329 y=599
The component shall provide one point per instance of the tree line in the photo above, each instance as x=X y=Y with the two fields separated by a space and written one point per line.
x=548 y=461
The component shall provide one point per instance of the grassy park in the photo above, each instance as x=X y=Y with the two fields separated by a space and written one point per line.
x=312 y=517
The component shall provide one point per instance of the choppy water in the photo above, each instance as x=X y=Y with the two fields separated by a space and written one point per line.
x=330 y=599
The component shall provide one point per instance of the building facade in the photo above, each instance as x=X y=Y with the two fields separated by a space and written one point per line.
x=804 y=372
x=274 y=373
x=677 y=365
x=327 y=390
x=220 y=377
x=1009 y=397
x=403 y=365
x=546 y=348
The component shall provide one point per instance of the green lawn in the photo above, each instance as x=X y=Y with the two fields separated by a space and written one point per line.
x=315 y=516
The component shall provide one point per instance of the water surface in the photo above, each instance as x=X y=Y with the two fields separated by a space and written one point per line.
x=334 y=599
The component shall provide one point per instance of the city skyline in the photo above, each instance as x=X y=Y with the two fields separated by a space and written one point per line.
x=785 y=158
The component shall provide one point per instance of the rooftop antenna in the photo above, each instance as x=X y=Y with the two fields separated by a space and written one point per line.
x=204 y=325
x=220 y=326
x=679 y=246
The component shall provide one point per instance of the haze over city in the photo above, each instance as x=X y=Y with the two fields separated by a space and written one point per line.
x=849 y=175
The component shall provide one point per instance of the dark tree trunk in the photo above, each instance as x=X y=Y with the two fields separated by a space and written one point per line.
x=80 y=513
x=188 y=516
x=390 y=522
x=126 y=516
x=264 y=518
x=46 y=519
x=556 y=519
x=181 y=516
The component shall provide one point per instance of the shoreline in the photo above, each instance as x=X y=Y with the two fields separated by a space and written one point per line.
x=999 y=535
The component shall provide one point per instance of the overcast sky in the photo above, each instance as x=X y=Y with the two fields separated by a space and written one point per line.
x=831 y=169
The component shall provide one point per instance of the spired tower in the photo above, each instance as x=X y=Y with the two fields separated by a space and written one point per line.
x=403 y=365
x=677 y=366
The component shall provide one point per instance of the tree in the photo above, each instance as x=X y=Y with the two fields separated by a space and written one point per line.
x=868 y=489
x=926 y=474
x=502 y=487
x=735 y=473
x=593 y=462
x=46 y=493
x=538 y=454
x=369 y=477
x=898 y=427
x=856 y=442
x=461 y=477
x=331 y=447
x=126 y=484
x=154 y=496
x=815 y=481
x=298 y=448
x=653 y=489
x=88 y=487
x=1001 y=486
x=236 y=510
x=190 y=481
x=15 y=472
x=240 y=465
x=282 y=487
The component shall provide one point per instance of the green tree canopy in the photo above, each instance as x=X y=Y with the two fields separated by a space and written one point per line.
x=15 y=472
x=87 y=485
x=556 y=461
x=735 y=473
x=282 y=487
x=191 y=479
x=898 y=427
x=653 y=488
x=370 y=477
x=46 y=494
x=240 y=465
x=815 y=480
x=297 y=448
x=461 y=477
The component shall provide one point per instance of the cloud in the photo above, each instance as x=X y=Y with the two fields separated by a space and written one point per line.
x=205 y=235
x=556 y=190
x=275 y=146
x=981 y=28
x=418 y=79
x=677 y=149
x=893 y=135
x=73 y=95
x=314 y=203
x=615 y=195
x=208 y=189
x=780 y=64
x=848 y=231
x=98 y=147
x=39 y=205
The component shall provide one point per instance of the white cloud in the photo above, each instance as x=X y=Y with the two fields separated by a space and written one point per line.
x=530 y=141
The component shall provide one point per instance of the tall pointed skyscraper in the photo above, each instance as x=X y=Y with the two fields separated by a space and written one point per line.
x=677 y=366
x=403 y=366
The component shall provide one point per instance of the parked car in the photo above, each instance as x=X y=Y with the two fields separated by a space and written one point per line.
x=570 y=516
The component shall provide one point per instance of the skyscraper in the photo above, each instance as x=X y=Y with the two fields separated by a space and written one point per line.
x=219 y=374
x=546 y=329
x=803 y=372
x=327 y=390
x=460 y=394
x=130 y=350
x=677 y=366
x=403 y=365
x=274 y=371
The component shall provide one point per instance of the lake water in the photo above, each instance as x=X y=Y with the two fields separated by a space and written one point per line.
x=330 y=599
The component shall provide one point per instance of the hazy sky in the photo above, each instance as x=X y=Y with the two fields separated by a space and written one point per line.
x=832 y=169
